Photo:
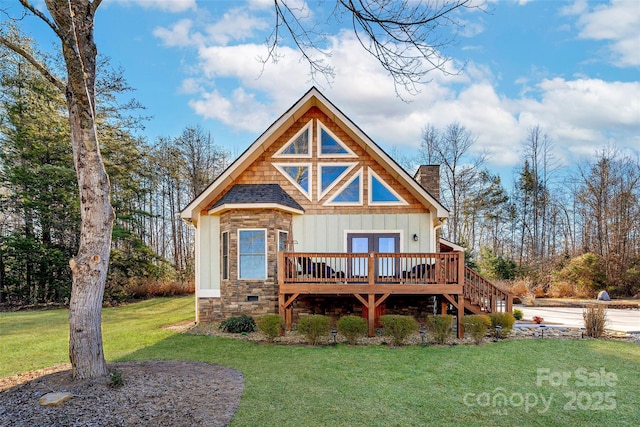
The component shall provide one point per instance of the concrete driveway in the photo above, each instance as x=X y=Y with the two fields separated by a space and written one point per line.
x=618 y=319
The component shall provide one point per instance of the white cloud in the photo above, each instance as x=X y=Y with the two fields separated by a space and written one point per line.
x=618 y=23
x=231 y=85
x=241 y=110
x=173 y=6
x=235 y=24
x=178 y=35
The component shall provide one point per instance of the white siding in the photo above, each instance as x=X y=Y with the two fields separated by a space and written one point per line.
x=208 y=256
x=327 y=233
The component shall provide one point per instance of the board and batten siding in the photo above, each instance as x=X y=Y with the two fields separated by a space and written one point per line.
x=327 y=233
x=208 y=256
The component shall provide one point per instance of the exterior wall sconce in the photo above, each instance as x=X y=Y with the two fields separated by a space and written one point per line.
x=415 y=237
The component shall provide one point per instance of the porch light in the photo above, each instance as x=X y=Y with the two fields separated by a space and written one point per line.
x=415 y=237
x=498 y=330
x=422 y=334
x=542 y=328
x=334 y=332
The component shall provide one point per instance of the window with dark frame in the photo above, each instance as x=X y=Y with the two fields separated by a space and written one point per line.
x=225 y=255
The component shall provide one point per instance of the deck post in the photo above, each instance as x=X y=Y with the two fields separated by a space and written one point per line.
x=281 y=310
x=372 y=314
x=509 y=307
x=460 y=316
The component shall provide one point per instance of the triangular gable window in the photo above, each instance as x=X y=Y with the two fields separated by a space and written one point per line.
x=380 y=193
x=329 y=174
x=330 y=145
x=299 y=174
x=299 y=145
x=350 y=193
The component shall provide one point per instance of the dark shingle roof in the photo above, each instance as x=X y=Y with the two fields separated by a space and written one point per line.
x=258 y=193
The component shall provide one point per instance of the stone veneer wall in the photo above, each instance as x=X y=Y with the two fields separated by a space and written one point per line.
x=234 y=293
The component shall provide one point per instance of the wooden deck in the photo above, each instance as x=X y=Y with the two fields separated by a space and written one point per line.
x=372 y=277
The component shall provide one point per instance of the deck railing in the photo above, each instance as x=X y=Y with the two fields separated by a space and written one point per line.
x=484 y=294
x=370 y=268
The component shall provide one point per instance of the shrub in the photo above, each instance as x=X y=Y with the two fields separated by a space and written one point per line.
x=398 y=327
x=239 y=324
x=352 y=327
x=115 y=379
x=595 y=320
x=517 y=314
x=440 y=327
x=270 y=325
x=537 y=320
x=476 y=326
x=313 y=327
x=505 y=320
x=581 y=276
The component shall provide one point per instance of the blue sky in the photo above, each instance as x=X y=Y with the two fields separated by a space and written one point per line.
x=571 y=67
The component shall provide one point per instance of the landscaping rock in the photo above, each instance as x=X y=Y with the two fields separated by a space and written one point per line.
x=54 y=399
x=604 y=296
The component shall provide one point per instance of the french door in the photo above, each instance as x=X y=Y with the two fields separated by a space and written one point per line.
x=382 y=243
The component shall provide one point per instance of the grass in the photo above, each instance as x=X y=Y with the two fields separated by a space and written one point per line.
x=364 y=386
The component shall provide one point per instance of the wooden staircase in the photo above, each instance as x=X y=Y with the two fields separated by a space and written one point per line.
x=482 y=296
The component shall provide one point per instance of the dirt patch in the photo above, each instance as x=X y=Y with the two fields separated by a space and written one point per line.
x=160 y=393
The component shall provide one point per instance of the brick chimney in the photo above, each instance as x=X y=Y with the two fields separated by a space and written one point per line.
x=428 y=176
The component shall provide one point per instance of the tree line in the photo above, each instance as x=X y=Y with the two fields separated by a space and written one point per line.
x=151 y=249
x=554 y=230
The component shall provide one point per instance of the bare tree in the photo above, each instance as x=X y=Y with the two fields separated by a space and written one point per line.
x=73 y=23
x=450 y=148
x=407 y=37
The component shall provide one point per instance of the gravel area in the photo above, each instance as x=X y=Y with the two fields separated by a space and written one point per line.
x=154 y=393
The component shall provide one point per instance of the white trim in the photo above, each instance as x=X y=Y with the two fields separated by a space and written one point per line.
x=371 y=174
x=321 y=126
x=320 y=192
x=266 y=255
x=208 y=293
x=276 y=206
x=305 y=128
x=456 y=248
x=359 y=175
x=279 y=167
x=374 y=231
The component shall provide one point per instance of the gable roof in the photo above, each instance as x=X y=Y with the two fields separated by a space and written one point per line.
x=248 y=195
x=310 y=99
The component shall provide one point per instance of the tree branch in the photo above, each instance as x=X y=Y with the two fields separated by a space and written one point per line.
x=33 y=61
x=36 y=12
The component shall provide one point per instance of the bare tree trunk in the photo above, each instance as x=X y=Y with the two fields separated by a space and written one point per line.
x=74 y=21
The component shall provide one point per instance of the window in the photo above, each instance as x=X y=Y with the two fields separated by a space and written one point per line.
x=380 y=193
x=225 y=255
x=329 y=174
x=299 y=145
x=350 y=193
x=252 y=254
x=283 y=236
x=298 y=174
x=330 y=145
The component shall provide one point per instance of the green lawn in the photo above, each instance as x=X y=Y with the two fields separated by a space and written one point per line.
x=365 y=386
